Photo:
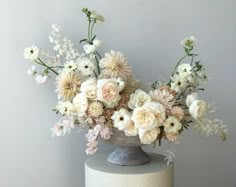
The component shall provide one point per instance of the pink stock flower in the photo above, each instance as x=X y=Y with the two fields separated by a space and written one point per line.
x=106 y=133
x=91 y=151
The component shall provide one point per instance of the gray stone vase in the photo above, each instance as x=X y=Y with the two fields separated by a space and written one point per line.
x=128 y=151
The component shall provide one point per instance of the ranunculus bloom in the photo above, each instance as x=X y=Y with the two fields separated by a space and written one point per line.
x=138 y=99
x=81 y=104
x=148 y=136
x=89 y=88
x=108 y=92
x=150 y=115
x=190 y=98
x=130 y=129
x=144 y=118
x=197 y=109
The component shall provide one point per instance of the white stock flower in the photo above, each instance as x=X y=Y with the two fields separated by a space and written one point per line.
x=138 y=99
x=89 y=88
x=86 y=66
x=190 y=98
x=41 y=79
x=65 y=108
x=148 y=136
x=108 y=92
x=81 y=104
x=98 y=18
x=32 y=70
x=91 y=48
x=121 y=119
x=31 y=53
x=197 y=109
x=172 y=125
x=70 y=66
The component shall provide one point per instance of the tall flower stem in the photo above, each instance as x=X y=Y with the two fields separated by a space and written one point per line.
x=40 y=62
x=97 y=62
x=179 y=63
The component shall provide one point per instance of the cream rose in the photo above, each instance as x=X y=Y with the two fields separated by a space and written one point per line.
x=158 y=110
x=144 y=118
x=197 y=109
x=89 y=88
x=81 y=104
x=130 y=129
x=138 y=99
x=148 y=136
x=108 y=92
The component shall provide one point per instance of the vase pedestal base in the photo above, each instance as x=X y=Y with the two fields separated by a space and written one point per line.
x=101 y=173
x=128 y=156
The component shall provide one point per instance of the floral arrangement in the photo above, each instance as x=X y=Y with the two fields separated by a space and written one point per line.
x=102 y=93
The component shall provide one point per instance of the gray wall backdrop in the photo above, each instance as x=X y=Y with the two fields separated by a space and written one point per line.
x=148 y=33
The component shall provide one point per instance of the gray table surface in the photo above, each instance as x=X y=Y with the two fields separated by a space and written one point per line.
x=98 y=162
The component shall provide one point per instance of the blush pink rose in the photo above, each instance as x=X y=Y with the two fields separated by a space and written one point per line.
x=108 y=92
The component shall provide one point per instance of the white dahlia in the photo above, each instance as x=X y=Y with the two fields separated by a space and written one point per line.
x=115 y=65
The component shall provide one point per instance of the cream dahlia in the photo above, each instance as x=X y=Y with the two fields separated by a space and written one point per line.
x=115 y=65
x=177 y=112
x=68 y=85
x=164 y=97
x=95 y=109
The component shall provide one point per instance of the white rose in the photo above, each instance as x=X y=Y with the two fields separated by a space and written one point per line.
x=190 y=98
x=138 y=99
x=131 y=130
x=121 y=118
x=89 y=88
x=197 y=109
x=148 y=136
x=158 y=110
x=144 y=118
x=81 y=104
x=108 y=92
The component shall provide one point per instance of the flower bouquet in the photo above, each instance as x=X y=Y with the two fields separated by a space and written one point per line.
x=102 y=94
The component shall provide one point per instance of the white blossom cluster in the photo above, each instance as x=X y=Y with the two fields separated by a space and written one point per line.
x=61 y=44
